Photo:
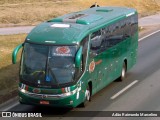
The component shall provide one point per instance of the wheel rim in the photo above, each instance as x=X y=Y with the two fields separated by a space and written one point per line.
x=123 y=71
x=87 y=95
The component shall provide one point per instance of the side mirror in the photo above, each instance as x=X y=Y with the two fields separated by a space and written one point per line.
x=78 y=58
x=15 y=52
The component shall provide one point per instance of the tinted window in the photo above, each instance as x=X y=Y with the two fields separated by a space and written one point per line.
x=134 y=24
x=114 y=34
x=96 y=40
x=84 y=52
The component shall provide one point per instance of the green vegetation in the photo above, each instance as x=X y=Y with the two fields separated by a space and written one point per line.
x=8 y=72
x=8 y=43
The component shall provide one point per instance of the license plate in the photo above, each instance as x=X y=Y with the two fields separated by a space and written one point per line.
x=44 y=102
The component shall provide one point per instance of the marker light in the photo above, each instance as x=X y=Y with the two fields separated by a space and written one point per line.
x=60 y=25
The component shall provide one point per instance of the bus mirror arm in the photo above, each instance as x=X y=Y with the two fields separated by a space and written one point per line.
x=15 y=52
x=78 y=58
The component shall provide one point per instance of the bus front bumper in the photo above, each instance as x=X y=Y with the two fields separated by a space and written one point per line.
x=61 y=100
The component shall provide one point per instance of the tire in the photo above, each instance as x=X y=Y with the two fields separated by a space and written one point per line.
x=87 y=97
x=123 y=72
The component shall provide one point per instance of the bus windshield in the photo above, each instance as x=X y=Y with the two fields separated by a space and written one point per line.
x=48 y=65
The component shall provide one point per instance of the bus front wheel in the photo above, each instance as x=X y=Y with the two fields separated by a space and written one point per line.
x=87 y=97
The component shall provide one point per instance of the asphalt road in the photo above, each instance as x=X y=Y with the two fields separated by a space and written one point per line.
x=143 y=82
x=15 y=30
x=150 y=20
x=145 y=21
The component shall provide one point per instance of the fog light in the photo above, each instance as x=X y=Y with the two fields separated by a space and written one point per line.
x=23 y=90
x=71 y=102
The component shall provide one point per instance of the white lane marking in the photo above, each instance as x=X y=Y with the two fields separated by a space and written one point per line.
x=15 y=104
x=148 y=35
x=124 y=89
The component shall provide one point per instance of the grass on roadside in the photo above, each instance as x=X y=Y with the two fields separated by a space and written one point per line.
x=28 y=12
x=8 y=71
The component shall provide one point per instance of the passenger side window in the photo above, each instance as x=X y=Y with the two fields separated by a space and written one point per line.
x=113 y=35
x=96 y=41
x=84 y=51
x=134 y=24
x=84 y=43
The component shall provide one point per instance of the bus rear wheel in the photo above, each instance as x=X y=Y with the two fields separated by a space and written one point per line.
x=123 y=72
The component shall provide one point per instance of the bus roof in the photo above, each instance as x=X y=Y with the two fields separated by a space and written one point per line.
x=72 y=28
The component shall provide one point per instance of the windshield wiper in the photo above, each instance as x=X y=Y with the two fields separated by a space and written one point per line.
x=48 y=68
x=52 y=73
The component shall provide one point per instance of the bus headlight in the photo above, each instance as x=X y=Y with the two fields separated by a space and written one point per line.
x=69 y=93
x=23 y=90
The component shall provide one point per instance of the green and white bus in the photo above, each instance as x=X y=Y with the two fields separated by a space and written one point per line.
x=68 y=59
